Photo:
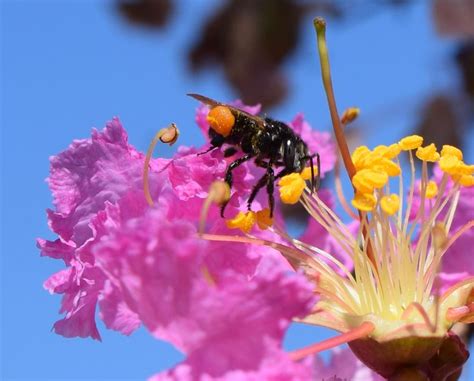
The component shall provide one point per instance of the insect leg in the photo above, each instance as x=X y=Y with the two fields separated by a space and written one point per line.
x=315 y=186
x=260 y=184
x=211 y=148
x=270 y=189
x=228 y=174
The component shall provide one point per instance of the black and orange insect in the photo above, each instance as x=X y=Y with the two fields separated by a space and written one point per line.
x=271 y=143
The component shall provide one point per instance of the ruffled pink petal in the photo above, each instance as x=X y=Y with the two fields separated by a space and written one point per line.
x=192 y=309
x=155 y=263
x=115 y=312
x=89 y=173
x=81 y=290
x=275 y=365
x=317 y=141
x=56 y=249
x=59 y=282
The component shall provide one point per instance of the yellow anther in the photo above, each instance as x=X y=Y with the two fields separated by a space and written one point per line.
x=410 y=142
x=392 y=151
x=427 y=153
x=388 y=166
x=219 y=192
x=364 y=201
x=306 y=173
x=451 y=150
x=366 y=180
x=431 y=189
x=242 y=221
x=291 y=188
x=449 y=164
x=390 y=204
x=349 y=115
x=464 y=180
x=380 y=150
x=359 y=155
x=263 y=219
x=465 y=169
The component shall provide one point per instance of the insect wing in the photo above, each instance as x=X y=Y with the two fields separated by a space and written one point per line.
x=213 y=103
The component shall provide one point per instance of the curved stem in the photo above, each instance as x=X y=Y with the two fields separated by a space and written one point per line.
x=167 y=135
x=320 y=26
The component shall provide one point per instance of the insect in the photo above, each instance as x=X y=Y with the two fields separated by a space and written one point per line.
x=270 y=143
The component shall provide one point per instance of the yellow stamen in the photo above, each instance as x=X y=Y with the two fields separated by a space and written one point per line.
x=364 y=201
x=306 y=173
x=453 y=151
x=390 y=204
x=393 y=150
x=388 y=166
x=243 y=221
x=431 y=189
x=465 y=169
x=349 y=115
x=449 y=164
x=291 y=188
x=410 y=142
x=366 y=180
x=263 y=219
x=359 y=155
x=464 y=180
x=427 y=153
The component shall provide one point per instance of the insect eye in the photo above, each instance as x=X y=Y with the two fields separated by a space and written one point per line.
x=221 y=120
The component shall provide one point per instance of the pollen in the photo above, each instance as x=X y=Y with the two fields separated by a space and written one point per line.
x=410 y=142
x=392 y=151
x=263 y=219
x=453 y=151
x=388 y=166
x=364 y=201
x=427 y=153
x=291 y=188
x=221 y=120
x=390 y=204
x=366 y=180
x=242 y=221
x=449 y=164
x=464 y=180
x=465 y=169
x=350 y=115
x=359 y=155
x=306 y=173
x=431 y=190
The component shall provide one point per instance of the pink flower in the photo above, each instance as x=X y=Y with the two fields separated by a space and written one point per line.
x=273 y=365
x=83 y=179
x=97 y=186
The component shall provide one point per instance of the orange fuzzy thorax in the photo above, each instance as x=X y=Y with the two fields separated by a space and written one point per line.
x=221 y=120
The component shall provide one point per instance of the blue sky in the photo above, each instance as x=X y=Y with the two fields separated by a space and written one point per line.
x=70 y=66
